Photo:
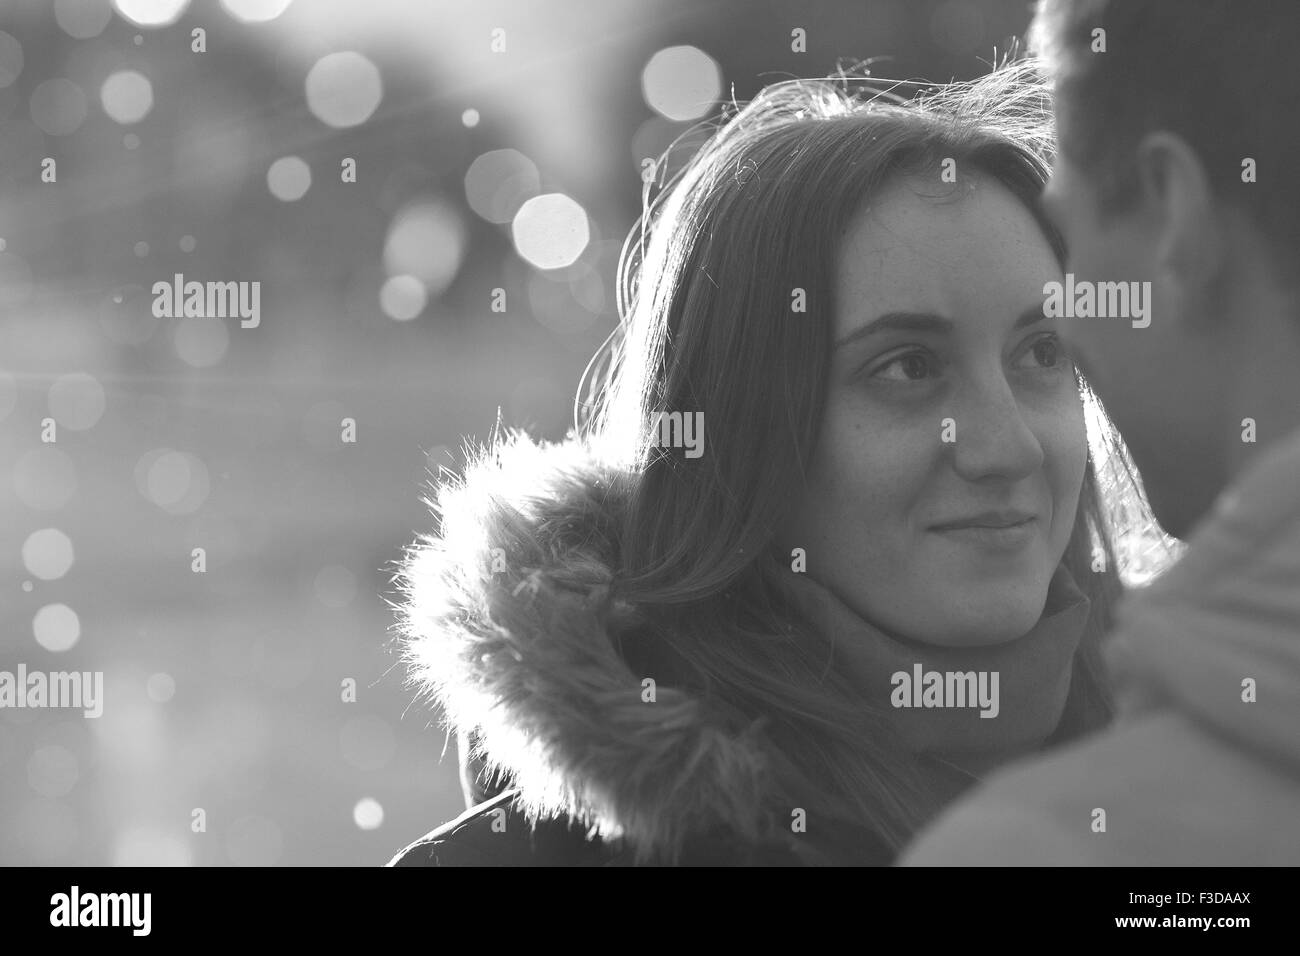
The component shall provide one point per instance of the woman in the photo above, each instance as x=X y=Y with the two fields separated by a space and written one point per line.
x=828 y=544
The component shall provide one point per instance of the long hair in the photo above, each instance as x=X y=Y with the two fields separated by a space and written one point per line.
x=705 y=285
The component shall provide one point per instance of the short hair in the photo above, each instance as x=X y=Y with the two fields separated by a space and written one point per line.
x=1222 y=74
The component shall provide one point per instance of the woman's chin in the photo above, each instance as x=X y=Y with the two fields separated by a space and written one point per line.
x=994 y=622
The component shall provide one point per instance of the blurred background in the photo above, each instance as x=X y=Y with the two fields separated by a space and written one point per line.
x=497 y=152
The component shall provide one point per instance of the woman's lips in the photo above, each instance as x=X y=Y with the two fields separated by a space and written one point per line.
x=1008 y=537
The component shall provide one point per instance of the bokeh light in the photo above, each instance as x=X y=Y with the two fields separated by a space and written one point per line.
x=402 y=297
x=83 y=19
x=681 y=83
x=130 y=734
x=58 y=106
x=168 y=479
x=160 y=687
x=151 y=13
x=52 y=771
x=426 y=240
x=48 y=554
x=11 y=59
x=499 y=182
x=344 y=89
x=77 y=401
x=469 y=118
x=255 y=11
x=552 y=304
x=218 y=156
x=150 y=846
x=56 y=627
x=127 y=96
x=657 y=135
x=289 y=178
x=201 y=342
x=550 y=231
x=368 y=814
x=588 y=289
x=175 y=481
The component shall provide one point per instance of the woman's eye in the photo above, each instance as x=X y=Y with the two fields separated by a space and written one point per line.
x=1047 y=352
x=912 y=367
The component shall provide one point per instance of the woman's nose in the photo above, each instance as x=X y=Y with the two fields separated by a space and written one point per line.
x=990 y=436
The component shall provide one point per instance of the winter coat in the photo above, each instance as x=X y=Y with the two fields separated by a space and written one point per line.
x=514 y=621
x=514 y=630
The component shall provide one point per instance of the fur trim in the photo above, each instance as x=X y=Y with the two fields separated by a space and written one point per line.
x=508 y=624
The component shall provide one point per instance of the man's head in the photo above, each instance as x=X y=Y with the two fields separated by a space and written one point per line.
x=1178 y=135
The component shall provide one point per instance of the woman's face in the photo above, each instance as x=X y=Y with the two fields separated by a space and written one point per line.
x=949 y=464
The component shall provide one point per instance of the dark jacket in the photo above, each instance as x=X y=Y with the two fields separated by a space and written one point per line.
x=510 y=626
x=494 y=831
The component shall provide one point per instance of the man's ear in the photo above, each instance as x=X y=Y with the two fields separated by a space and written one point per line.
x=1185 y=218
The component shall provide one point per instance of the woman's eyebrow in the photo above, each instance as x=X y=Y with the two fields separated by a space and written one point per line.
x=1028 y=317
x=925 y=322
x=899 y=321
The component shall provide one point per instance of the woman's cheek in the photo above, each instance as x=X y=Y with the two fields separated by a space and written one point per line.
x=878 y=464
x=1066 y=444
x=892 y=469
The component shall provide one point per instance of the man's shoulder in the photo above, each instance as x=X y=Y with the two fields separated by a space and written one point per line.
x=1056 y=809
x=1156 y=790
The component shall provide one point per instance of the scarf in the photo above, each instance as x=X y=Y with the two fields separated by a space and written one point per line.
x=905 y=680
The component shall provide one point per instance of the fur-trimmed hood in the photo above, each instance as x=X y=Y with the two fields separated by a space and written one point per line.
x=508 y=624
